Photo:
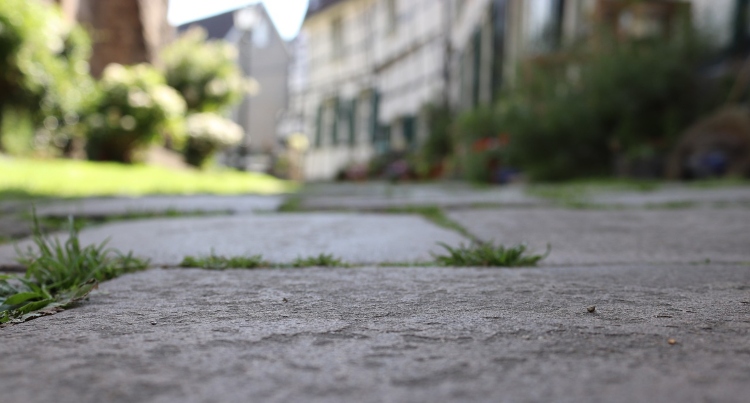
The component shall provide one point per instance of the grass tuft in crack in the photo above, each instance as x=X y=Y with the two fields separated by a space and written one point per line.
x=59 y=274
x=292 y=204
x=215 y=262
x=321 y=260
x=481 y=254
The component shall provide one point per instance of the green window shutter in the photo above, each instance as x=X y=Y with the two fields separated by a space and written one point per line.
x=499 y=16
x=740 y=26
x=374 y=115
x=476 y=67
x=335 y=126
x=410 y=132
x=353 y=122
x=319 y=127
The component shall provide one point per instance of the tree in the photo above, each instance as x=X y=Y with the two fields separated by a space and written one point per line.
x=43 y=65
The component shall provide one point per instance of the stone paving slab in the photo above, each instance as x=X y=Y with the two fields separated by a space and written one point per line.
x=394 y=335
x=458 y=195
x=13 y=206
x=618 y=236
x=673 y=194
x=383 y=196
x=356 y=238
x=13 y=226
x=102 y=207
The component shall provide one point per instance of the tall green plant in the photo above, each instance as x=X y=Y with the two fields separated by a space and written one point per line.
x=438 y=146
x=480 y=134
x=43 y=68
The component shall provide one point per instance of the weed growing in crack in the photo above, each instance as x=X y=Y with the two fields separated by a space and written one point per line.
x=59 y=274
x=215 y=262
x=321 y=260
x=488 y=255
x=292 y=204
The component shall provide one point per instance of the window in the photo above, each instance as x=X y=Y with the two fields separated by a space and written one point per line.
x=364 y=125
x=337 y=39
x=545 y=25
x=741 y=26
x=410 y=132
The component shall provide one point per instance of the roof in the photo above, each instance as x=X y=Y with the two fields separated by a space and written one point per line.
x=217 y=26
x=317 y=6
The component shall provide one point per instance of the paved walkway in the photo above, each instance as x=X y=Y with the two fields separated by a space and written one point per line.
x=619 y=236
x=356 y=238
x=103 y=207
x=667 y=326
x=394 y=335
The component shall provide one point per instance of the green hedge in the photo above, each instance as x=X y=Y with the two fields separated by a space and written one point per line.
x=628 y=102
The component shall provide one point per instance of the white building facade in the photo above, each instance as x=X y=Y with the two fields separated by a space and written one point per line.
x=364 y=71
x=333 y=91
x=411 y=62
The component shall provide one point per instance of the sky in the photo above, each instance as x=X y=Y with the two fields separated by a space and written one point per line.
x=287 y=15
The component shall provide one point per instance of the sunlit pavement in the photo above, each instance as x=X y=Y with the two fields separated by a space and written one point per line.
x=634 y=303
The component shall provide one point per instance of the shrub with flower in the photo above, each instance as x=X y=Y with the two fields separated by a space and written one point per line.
x=210 y=80
x=208 y=133
x=134 y=106
x=206 y=73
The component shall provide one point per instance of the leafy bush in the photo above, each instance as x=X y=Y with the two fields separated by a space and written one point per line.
x=431 y=159
x=627 y=100
x=205 y=73
x=488 y=255
x=481 y=143
x=208 y=133
x=134 y=105
x=43 y=70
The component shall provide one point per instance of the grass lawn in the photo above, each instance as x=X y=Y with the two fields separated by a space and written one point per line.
x=28 y=178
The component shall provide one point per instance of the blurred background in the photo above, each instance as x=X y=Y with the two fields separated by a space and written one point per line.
x=490 y=91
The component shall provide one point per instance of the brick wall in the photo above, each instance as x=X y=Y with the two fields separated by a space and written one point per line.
x=123 y=31
x=117 y=33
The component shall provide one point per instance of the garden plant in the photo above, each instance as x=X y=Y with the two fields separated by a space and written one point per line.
x=615 y=108
x=44 y=78
x=208 y=77
x=134 y=106
x=59 y=274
